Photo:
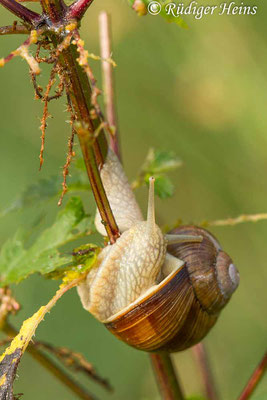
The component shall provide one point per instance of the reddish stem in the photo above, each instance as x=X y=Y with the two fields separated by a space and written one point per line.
x=201 y=356
x=166 y=377
x=28 y=16
x=254 y=379
x=108 y=80
x=78 y=8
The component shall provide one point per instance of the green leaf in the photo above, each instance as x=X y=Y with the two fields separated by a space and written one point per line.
x=47 y=189
x=159 y=161
x=84 y=257
x=196 y=398
x=164 y=188
x=157 y=164
x=17 y=262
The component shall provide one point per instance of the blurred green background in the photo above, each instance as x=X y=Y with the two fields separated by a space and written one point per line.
x=201 y=92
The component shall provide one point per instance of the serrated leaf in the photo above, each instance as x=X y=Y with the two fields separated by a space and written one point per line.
x=17 y=262
x=159 y=161
x=46 y=189
x=157 y=164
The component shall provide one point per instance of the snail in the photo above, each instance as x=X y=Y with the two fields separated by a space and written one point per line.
x=155 y=291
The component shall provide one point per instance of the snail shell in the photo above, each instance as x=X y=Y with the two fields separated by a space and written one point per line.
x=181 y=310
x=154 y=291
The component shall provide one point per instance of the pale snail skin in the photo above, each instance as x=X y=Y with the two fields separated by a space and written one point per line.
x=138 y=261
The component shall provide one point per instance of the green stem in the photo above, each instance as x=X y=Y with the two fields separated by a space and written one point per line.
x=166 y=377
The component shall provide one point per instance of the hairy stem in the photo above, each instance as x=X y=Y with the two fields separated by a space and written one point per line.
x=166 y=377
x=50 y=366
x=202 y=360
x=254 y=379
x=93 y=149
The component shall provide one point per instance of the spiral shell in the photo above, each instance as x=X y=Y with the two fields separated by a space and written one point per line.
x=179 y=311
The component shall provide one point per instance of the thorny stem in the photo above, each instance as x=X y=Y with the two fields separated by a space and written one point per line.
x=55 y=9
x=78 y=8
x=166 y=377
x=202 y=360
x=28 y=16
x=108 y=80
x=48 y=364
x=254 y=379
x=80 y=94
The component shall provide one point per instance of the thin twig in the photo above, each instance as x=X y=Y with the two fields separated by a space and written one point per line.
x=254 y=379
x=75 y=361
x=202 y=360
x=70 y=152
x=45 y=112
x=234 y=221
x=52 y=368
x=23 y=51
x=166 y=377
x=72 y=360
x=108 y=80
x=13 y=30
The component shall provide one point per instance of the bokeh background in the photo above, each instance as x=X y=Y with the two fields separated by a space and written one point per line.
x=202 y=93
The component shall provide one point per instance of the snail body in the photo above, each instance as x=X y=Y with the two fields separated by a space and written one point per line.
x=154 y=291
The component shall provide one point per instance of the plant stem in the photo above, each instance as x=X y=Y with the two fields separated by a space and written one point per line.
x=202 y=360
x=108 y=79
x=55 y=9
x=80 y=95
x=78 y=8
x=13 y=29
x=48 y=364
x=254 y=379
x=166 y=377
x=163 y=368
x=92 y=148
x=28 y=16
